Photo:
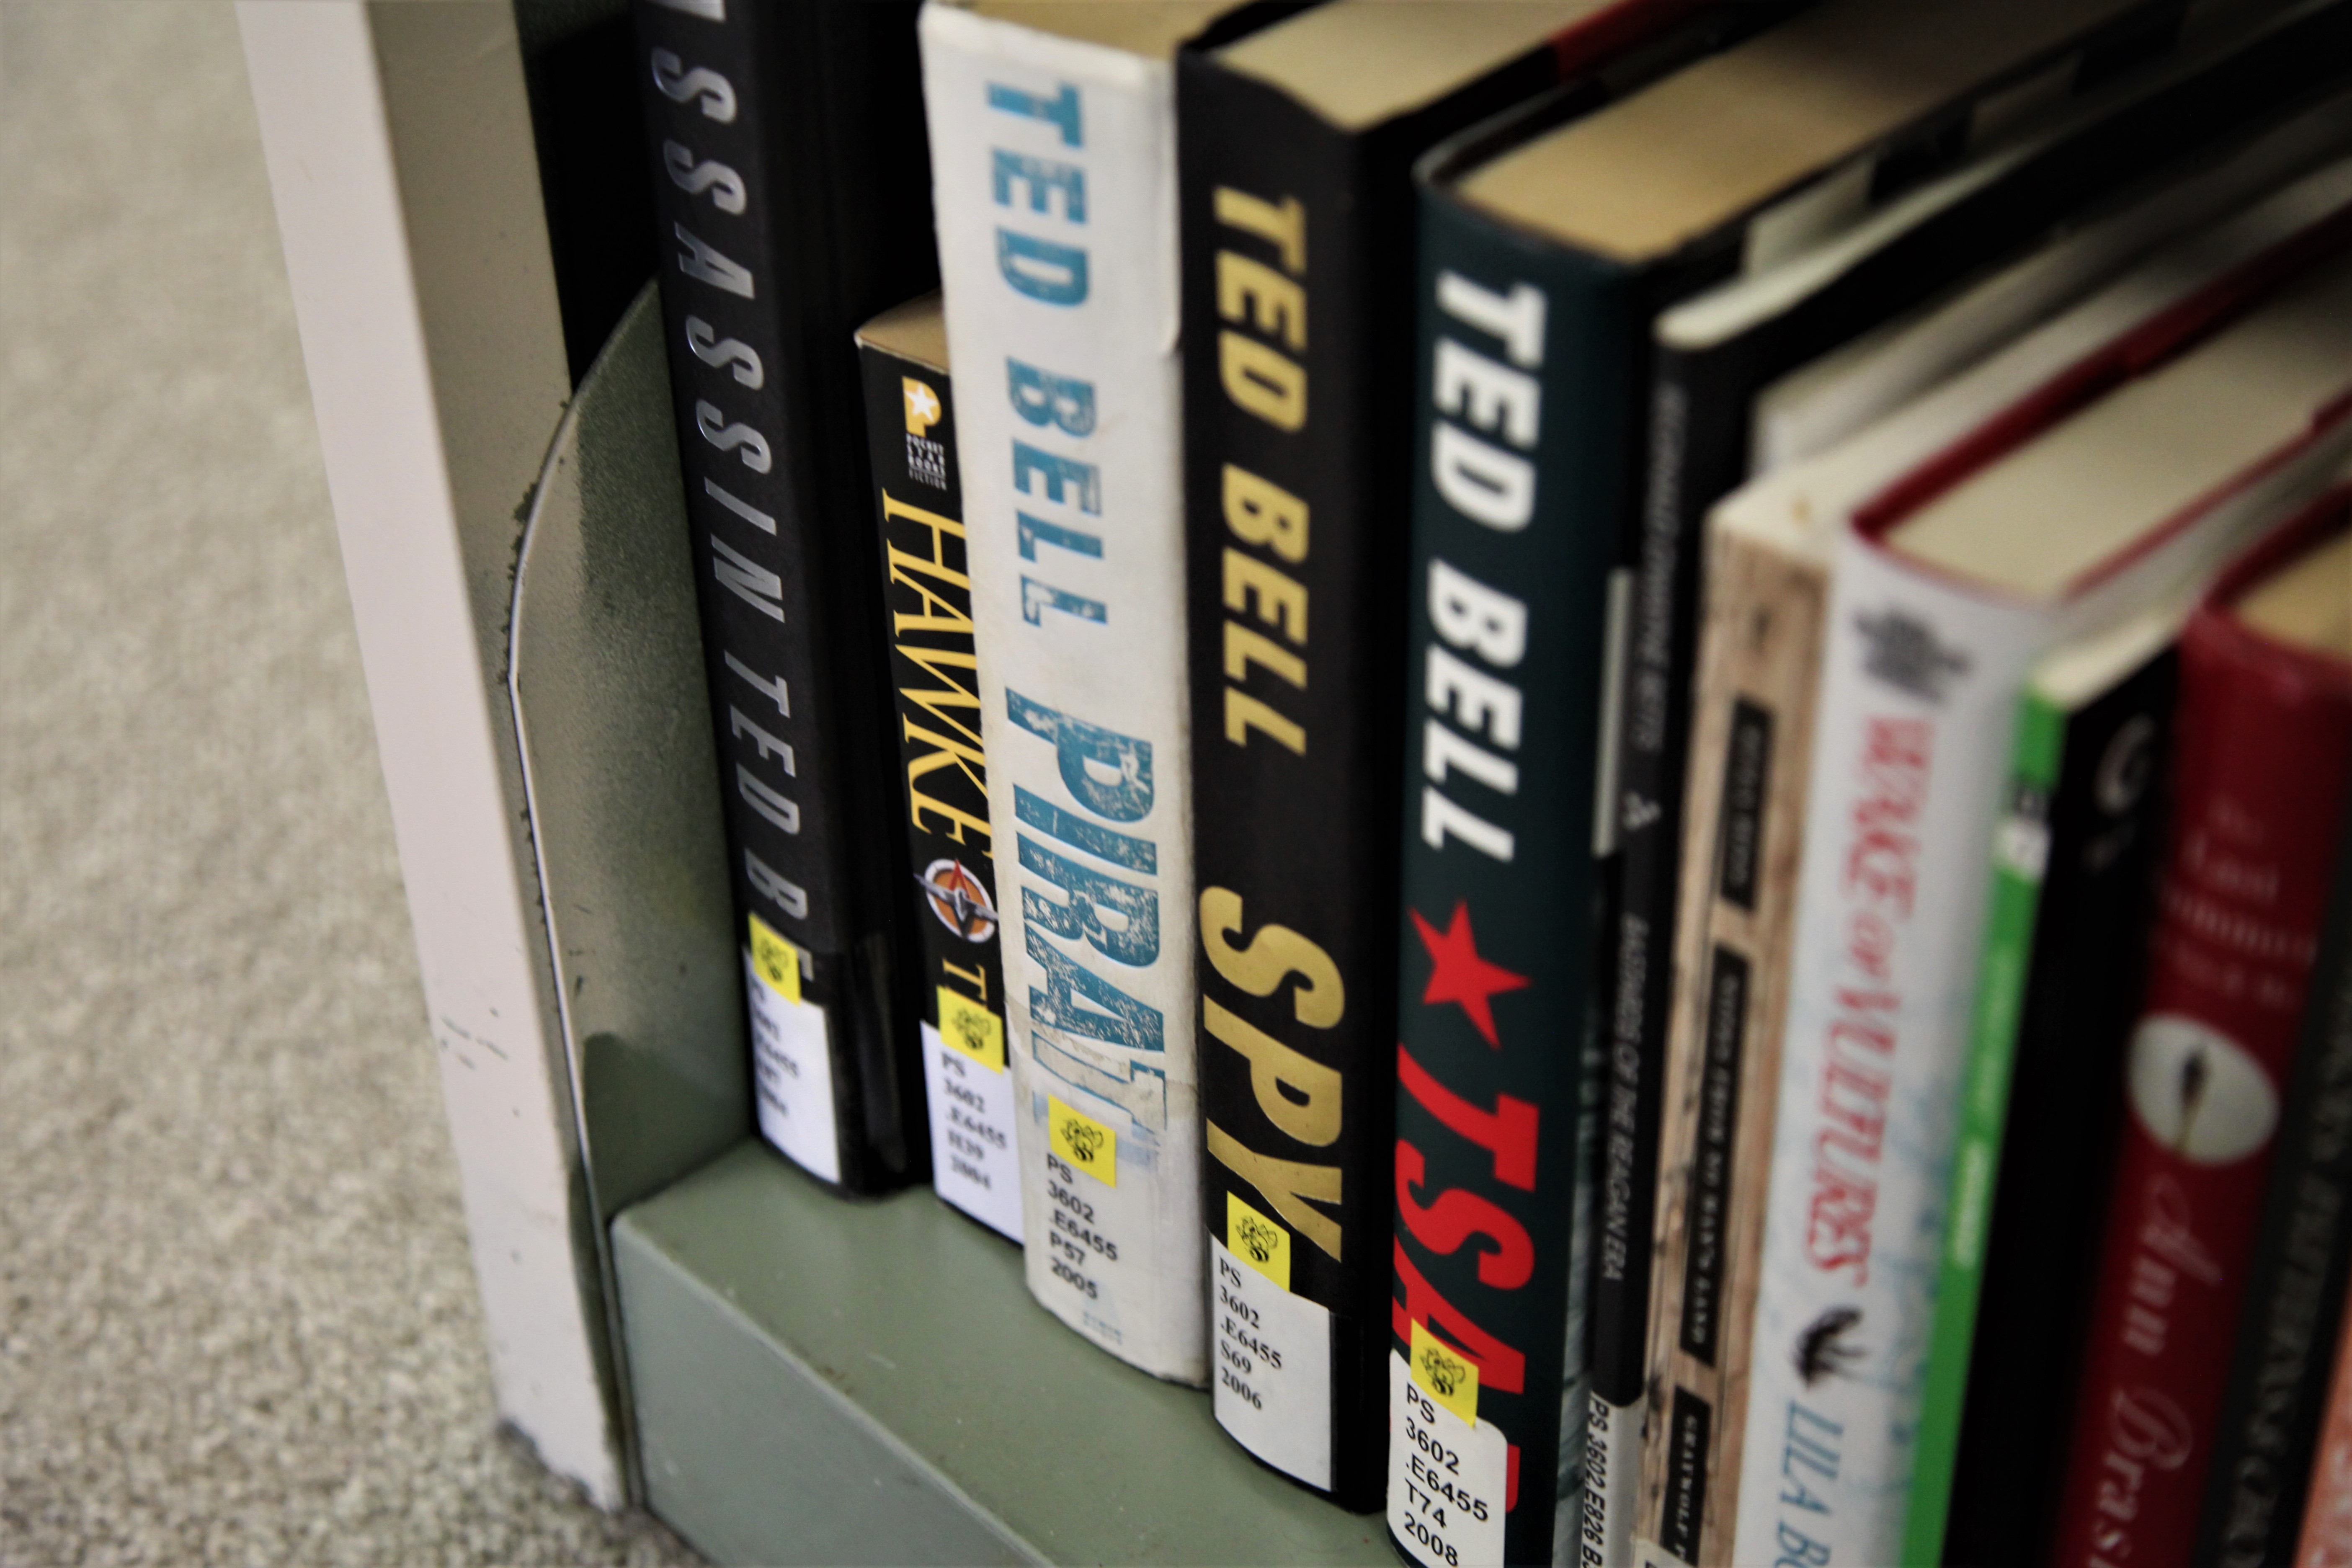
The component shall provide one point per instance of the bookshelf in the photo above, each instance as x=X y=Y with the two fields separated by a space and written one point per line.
x=675 y=1316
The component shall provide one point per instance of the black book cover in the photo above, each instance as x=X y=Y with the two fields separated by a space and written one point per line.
x=1701 y=406
x=1296 y=757
x=2283 y=1365
x=2081 y=998
x=792 y=196
x=927 y=608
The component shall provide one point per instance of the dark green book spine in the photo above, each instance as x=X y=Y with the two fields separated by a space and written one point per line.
x=1528 y=381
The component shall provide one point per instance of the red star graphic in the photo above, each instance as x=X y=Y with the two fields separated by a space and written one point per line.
x=1458 y=975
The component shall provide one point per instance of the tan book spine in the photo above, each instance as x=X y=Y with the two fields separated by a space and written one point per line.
x=1758 y=673
x=2327 y=1515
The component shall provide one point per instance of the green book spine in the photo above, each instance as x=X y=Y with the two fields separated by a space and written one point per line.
x=2020 y=851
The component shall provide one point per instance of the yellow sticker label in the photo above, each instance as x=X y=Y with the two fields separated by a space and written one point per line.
x=1258 y=1240
x=1450 y=1379
x=778 y=961
x=1084 y=1142
x=972 y=1029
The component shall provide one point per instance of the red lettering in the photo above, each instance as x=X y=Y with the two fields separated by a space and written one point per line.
x=1499 y=1366
x=1507 y=1132
x=1457 y=1216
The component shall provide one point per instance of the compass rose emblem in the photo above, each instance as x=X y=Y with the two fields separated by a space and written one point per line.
x=960 y=899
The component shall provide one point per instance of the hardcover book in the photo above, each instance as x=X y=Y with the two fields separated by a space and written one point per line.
x=1947 y=588
x=1296 y=184
x=1053 y=135
x=2058 y=987
x=2264 y=761
x=1765 y=592
x=1908 y=231
x=790 y=186
x=1549 y=243
x=2264 y=1465
x=927 y=600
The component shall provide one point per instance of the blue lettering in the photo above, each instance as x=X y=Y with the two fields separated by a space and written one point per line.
x=1073 y=540
x=1116 y=1016
x=1043 y=176
x=1060 y=111
x=1060 y=473
x=1043 y=398
x=1055 y=274
x=1103 y=843
x=1092 y=895
x=1083 y=752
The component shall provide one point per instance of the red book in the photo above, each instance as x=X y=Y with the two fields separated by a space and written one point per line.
x=2264 y=753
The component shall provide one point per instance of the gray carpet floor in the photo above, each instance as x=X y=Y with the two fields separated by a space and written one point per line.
x=237 y=1320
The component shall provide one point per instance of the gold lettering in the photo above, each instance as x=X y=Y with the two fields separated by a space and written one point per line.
x=1245 y=713
x=1274 y=304
x=1286 y=1185
x=1273 y=955
x=1283 y=227
x=1260 y=512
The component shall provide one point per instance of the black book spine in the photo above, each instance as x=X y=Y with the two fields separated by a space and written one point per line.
x=1294 y=795
x=1297 y=753
x=792 y=195
x=2082 y=997
x=2280 y=1377
x=1530 y=366
x=927 y=604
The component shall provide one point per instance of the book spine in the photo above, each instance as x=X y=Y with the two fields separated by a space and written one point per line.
x=2262 y=1469
x=1526 y=352
x=926 y=596
x=2327 y=1538
x=1919 y=685
x=834 y=1090
x=2058 y=990
x=1687 y=470
x=2021 y=857
x=1287 y=440
x=1055 y=191
x=2263 y=759
x=1756 y=675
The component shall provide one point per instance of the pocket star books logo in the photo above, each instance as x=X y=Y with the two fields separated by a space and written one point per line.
x=927 y=460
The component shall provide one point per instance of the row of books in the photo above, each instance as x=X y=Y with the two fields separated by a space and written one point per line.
x=1667 y=691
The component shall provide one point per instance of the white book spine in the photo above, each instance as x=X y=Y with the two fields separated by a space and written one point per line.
x=1919 y=686
x=1053 y=166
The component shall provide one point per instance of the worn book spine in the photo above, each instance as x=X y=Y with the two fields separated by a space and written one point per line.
x=1919 y=682
x=2263 y=1466
x=1056 y=167
x=776 y=242
x=1525 y=349
x=2057 y=989
x=1757 y=673
x=2264 y=759
x=927 y=599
